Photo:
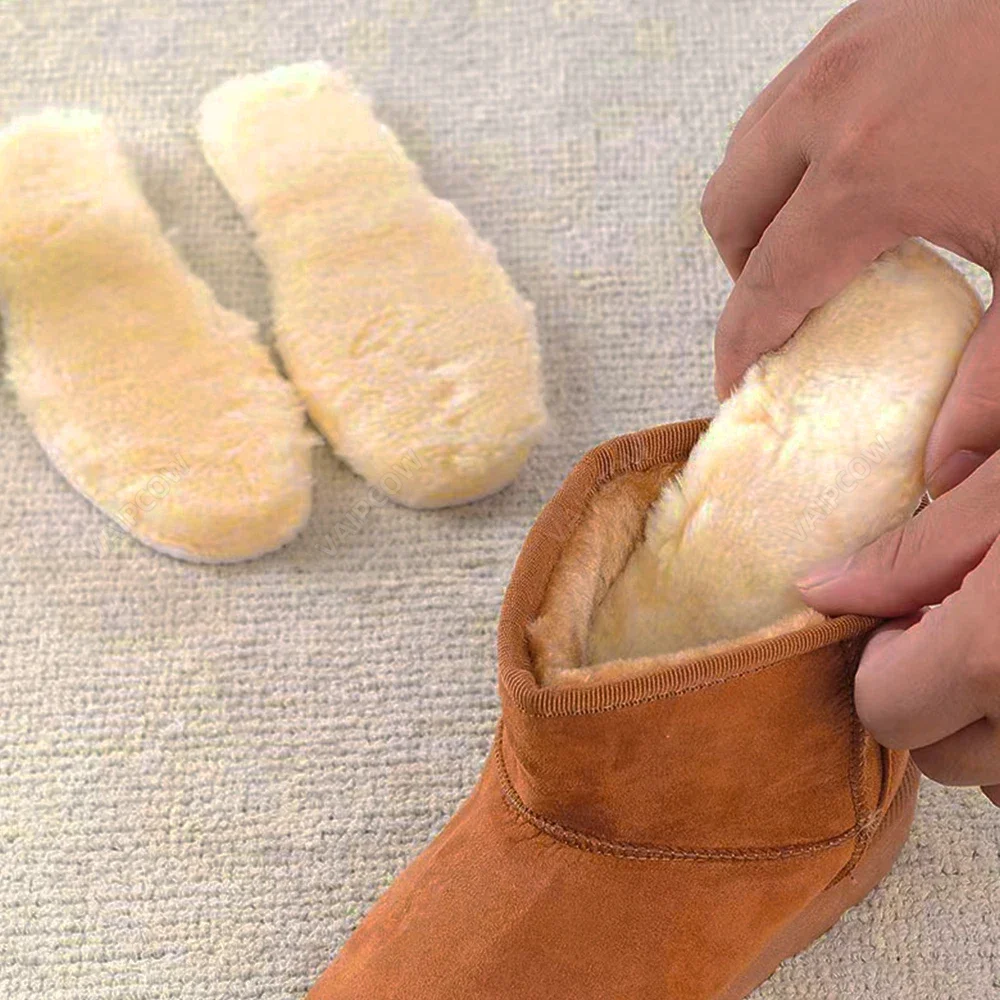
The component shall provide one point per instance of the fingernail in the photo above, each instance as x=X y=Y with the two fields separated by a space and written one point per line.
x=823 y=573
x=953 y=470
x=722 y=387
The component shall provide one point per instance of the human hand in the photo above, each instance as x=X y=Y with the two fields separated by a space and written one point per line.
x=929 y=681
x=886 y=126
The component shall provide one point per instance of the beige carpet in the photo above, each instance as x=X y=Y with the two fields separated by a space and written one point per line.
x=208 y=774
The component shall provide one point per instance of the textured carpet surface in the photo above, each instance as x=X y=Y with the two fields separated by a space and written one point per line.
x=208 y=774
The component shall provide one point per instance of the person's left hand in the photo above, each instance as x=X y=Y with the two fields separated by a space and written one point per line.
x=929 y=681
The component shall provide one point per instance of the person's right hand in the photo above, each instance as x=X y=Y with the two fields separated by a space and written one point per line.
x=886 y=126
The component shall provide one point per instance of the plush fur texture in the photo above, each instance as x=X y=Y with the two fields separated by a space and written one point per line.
x=593 y=558
x=819 y=451
x=395 y=321
x=156 y=403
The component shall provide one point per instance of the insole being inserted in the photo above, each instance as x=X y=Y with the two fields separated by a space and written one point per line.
x=819 y=451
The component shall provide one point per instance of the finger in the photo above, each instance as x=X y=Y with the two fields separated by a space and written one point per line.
x=969 y=757
x=967 y=429
x=923 y=684
x=889 y=632
x=822 y=238
x=757 y=177
x=921 y=562
x=905 y=687
x=766 y=99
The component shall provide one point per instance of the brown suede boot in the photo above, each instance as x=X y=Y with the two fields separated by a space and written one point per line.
x=667 y=829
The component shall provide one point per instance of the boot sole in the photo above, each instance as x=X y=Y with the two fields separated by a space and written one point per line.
x=824 y=912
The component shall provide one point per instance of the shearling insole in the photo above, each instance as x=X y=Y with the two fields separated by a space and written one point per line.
x=155 y=402
x=818 y=452
x=394 y=320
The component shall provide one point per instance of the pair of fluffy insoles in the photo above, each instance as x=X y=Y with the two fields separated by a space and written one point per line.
x=397 y=325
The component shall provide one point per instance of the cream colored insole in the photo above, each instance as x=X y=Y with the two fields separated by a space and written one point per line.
x=416 y=356
x=818 y=452
x=155 y=402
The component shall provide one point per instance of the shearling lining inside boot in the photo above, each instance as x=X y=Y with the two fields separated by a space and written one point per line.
x=818 y=452
x=607 y=536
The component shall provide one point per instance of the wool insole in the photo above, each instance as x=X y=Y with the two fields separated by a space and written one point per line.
x=394 y=320
x=155 y=402
x=819 y=451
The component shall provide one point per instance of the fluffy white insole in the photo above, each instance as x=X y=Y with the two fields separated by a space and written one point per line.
x=819 y=451
x=155 y=402
x=394 y=320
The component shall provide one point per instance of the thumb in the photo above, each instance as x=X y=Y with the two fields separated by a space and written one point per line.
x=919 y=563
x=967 y=430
